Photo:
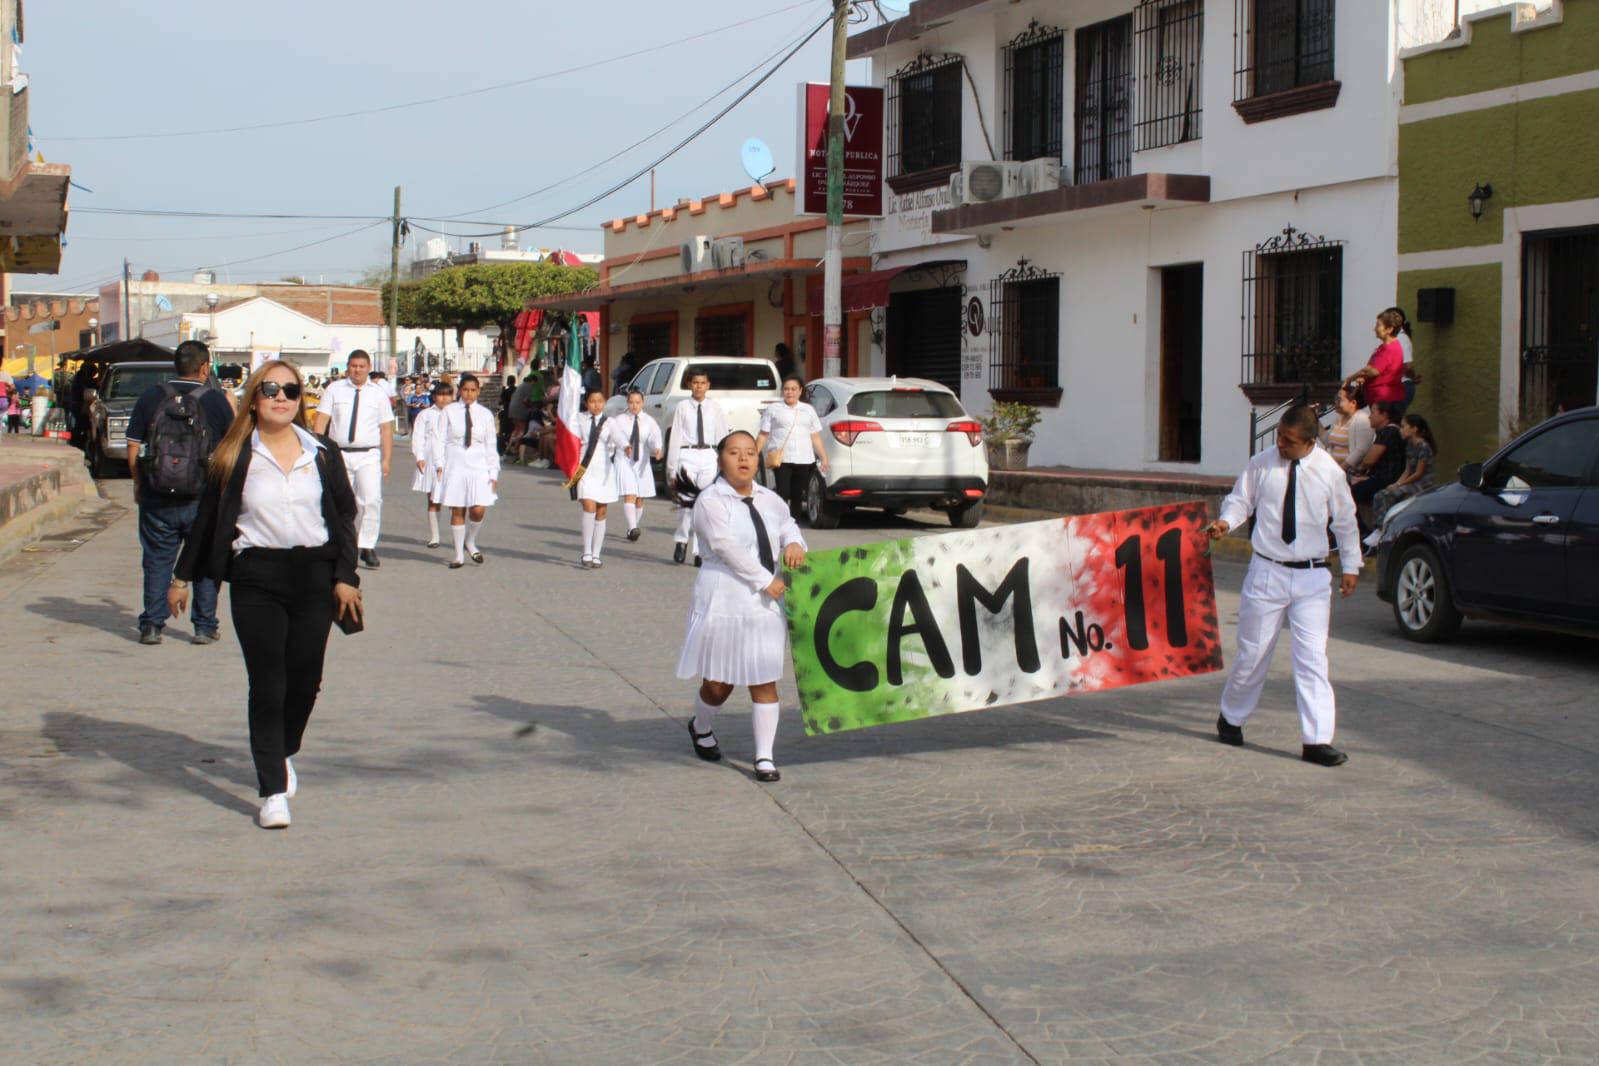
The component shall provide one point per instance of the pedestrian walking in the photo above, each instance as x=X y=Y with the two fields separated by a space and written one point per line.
x=736 y=634
x=790 y=443
x=172 y=431
x=14 y=413
x=471 y=475
x=357 y=414
x=637 y=441
x=593 y=483
x=698 y=426
x=427 y=448
x=277 y=522
x=521 y=411
x=1294 y=492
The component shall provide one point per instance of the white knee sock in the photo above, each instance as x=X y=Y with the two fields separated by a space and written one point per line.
x=599 y=536
x=630 y=512
x=458 y=534
x=433 y=527
x=704 y=718
x=764 y=720
x=588 y=533
x=471 y=535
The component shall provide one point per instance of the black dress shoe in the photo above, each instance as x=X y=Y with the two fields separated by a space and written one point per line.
x=634 y=533
x=433 y=544
x=698 y=561
x=768 y=775
x=477 y=557
x=456 y=564
x=1323 y=755
x=679 y=553
x=1228 y=733
x=370 y=558
x=149 y=634
x=713 y=753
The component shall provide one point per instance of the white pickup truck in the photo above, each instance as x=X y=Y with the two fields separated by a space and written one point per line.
x=744 y=388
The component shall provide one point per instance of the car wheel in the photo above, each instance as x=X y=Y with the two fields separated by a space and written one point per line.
x=1424 y=607
x=101 y=466
x=819 y=513
x=967 y=515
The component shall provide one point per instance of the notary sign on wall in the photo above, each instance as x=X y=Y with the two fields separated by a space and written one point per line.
x=934 y=625
x=863 y=150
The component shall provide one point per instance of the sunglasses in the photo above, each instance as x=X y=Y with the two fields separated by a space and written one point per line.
x=270 y=390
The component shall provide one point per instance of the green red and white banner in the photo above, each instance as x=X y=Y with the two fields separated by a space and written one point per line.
x=935 y=625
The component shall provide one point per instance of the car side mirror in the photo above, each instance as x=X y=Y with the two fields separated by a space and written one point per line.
x=1471 y=475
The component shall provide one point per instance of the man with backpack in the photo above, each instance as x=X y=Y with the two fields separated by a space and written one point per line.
x=171 y=433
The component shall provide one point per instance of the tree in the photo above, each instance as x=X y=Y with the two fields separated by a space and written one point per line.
x=411 y=316
x=467 y=297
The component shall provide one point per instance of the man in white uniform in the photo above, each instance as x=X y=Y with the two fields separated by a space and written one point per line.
x=1293 y=491
x=698 y=426
x=356 y=414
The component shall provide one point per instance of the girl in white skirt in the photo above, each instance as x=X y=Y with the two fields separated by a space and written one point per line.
x=471 y=469
x=597 y=487
x=427 y=447
x=637 y=440
x=737 y=634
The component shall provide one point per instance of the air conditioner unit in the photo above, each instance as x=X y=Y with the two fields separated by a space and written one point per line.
x=1041 y=175
x=696 y=253
x=727 y=253
x=980 y=182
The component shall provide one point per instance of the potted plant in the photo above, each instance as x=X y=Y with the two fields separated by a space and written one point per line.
x=1008 y=433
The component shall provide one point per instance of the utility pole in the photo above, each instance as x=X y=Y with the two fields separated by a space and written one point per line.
x=127 y=321
x=833 y=264
x=394 y=279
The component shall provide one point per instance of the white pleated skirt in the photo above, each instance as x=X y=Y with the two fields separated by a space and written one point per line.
x=633 y=481
x=425 y=480
x=463 y=486
x=598 y=485
x=735 y=635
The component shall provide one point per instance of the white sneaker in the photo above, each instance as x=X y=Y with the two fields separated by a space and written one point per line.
x=274 y=812
x=294 y=778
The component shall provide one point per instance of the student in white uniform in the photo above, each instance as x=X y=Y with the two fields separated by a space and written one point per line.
x=637 y=440
x=737 y=634
x=595 y=487
x=698 y=425
x=427 y=448
x=357 y=414
x=1293 y=491
x=471 y=473
x=790 y=444
x=277 y=522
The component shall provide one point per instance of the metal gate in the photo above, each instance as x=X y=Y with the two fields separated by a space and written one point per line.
x=924 y=335
x=1559 y=322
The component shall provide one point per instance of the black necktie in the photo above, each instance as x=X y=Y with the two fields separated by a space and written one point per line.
x=355 y=410
x=1290 y=509
x=594 y=434
x=763 y=543
x=467 y=411
x=635 y=438
x=699 y=421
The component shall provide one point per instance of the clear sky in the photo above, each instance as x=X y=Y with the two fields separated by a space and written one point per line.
x=108 y=68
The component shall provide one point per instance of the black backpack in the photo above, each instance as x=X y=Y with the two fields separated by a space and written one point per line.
x=177 y=445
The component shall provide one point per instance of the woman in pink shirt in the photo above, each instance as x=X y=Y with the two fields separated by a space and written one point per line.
x=1383 y=375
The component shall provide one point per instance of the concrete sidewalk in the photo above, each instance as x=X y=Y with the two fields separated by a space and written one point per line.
x=42 y=483
x=504 y=851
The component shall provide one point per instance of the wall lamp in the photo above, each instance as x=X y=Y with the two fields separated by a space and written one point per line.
x=1479 y=196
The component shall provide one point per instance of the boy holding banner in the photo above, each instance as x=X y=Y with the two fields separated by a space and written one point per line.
x=1293 y=492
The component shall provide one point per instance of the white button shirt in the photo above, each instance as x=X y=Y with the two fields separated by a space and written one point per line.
x=685 y=429
x=722 y=522
x=338 y=403
x=789 y=429
x=281 y=508
x=1322 y=494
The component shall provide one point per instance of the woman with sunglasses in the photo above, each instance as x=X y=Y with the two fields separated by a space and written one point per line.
x=277 y=521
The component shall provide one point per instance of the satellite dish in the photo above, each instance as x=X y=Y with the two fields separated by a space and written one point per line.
x=895 y=7
x=757 y=159
x=162 y=303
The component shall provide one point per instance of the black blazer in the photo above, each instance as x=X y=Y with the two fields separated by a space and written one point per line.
x=208 y=550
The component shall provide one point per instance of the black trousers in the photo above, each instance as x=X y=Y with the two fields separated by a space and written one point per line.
x=789 y=481
x=282 y=611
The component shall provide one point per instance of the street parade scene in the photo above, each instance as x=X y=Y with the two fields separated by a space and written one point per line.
x=895 y=531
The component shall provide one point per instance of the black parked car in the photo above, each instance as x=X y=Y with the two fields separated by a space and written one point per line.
x=1514 y=539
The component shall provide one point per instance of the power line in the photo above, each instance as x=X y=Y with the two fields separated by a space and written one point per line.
x=432 y=99
x=152 y=212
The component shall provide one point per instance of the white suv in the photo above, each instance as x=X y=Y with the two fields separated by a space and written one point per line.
x=895 y=443
x=744 y=388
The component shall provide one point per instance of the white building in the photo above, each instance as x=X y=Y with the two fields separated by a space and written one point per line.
x=1212 y=226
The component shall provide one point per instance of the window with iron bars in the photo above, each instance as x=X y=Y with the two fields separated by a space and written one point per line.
x=1024 y=333
x=1104 y=101
x=1559 y=339
x=1035 y=94
x=1281 y=44
x=1169 y=35
x=721 y=335
x=1293 y=302
x=924 y=114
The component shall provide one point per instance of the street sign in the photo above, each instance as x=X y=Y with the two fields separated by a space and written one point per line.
x=864 y=108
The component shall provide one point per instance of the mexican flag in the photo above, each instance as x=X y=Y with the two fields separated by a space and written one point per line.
x=568 y=447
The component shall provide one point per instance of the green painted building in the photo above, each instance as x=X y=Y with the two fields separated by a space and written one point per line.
x=1502 y=287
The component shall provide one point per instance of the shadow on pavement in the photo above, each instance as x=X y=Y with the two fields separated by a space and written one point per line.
x=168 y=758
x=104 y=614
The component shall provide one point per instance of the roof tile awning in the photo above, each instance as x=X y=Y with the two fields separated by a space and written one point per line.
x=867 y=291
x=1058 y=205
x=760 y=270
